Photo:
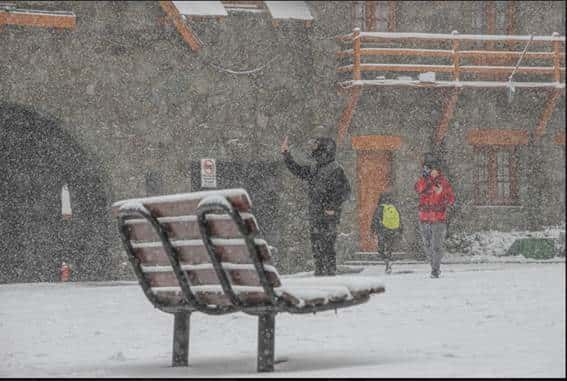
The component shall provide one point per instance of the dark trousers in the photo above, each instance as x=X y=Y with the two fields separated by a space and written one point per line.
x=386 y=239
x=433 y=235
x=323 y=237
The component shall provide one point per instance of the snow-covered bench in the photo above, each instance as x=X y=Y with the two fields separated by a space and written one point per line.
x=199 y=252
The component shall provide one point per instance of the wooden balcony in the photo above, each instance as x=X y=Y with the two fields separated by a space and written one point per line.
x=549 y=71
x=455 y=61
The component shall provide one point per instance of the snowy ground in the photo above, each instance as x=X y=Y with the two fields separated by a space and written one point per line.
x=477 y=320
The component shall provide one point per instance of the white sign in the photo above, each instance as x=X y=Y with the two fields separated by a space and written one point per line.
x=208 y=173
x=66 y=202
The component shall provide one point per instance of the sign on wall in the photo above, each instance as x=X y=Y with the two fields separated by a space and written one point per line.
x=208 y=173
x=66 y=202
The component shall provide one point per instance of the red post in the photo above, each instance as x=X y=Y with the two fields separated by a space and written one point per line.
x=64 y=272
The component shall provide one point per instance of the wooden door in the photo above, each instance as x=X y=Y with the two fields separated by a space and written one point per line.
x=373 y=176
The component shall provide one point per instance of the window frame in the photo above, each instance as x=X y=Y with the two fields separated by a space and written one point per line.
x=490 y=196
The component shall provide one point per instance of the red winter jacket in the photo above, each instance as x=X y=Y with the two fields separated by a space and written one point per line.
x=432 y=205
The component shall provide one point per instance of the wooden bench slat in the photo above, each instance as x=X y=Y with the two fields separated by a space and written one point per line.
x=196 y=253
x=209 y=277
x=185 y=204
x=186 y=227
x=172 y=295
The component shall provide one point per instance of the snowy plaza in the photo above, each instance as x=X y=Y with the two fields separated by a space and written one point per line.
x=477 y=320
x=299 y=189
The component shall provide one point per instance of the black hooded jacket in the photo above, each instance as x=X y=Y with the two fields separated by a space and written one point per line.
x=327 y=182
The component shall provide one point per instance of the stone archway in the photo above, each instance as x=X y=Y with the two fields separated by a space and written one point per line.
x=37 y=157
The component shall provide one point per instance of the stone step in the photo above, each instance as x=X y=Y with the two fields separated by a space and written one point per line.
x=369 y=256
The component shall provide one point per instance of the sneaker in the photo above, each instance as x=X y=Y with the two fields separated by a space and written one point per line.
x=434 y=274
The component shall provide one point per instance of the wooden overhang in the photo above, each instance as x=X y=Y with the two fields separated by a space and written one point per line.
x=10 y=15
x=182 y=28
x=348 y=112
x=490 y=58
x=376 y=143
x=492 y=136
x=547 y=112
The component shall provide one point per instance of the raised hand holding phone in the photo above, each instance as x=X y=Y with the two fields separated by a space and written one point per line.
x=285 y=147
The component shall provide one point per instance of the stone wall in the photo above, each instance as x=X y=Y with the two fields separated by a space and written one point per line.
x=128 y=91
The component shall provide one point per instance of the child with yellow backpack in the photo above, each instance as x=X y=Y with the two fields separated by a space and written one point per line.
x=387 y=226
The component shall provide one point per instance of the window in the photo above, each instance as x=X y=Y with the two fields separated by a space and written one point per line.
x=495 y=175
x=377 y=16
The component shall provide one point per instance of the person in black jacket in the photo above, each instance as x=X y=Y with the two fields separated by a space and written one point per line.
x=385 y=227
x=328 y=188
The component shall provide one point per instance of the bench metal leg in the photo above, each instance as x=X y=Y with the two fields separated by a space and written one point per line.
x=181 y=339
x=266 y=341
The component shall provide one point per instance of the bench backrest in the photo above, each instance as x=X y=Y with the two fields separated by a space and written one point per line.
x=178 y=218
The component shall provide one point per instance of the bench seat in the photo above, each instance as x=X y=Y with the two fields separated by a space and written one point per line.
x=307 y=292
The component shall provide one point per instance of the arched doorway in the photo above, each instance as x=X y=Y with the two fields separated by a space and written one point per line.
x=37 y=158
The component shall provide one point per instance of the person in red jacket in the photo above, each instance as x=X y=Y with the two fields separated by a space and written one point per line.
x=435 y=194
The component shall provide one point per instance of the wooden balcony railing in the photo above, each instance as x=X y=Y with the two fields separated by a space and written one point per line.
x=549 y=49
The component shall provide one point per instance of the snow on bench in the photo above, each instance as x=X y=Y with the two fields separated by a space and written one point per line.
x=198 y=252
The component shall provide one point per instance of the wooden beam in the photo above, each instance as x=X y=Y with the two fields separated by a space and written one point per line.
x=547 y=112
x=449 y=68
x=392 y=16
x=456 y=58
x=510 y=21
x=399 y=52
x=507 y=54
x=510 y=69
x=183 y=29
x=397 y=67
x=376 y=143
x=557 y=59
x=490 y=54
x=356 y=52
x=560 y=138
x=37 y=18
x=348 y=112
x=410 y=36
x=345 y=85
x=370 y=13
x=490 y=17
x=446 y=116
x=502 y=137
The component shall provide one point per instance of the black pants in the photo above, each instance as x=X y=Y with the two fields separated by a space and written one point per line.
x=386 y=239
x=323 y=237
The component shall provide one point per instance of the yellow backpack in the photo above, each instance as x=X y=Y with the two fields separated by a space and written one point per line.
x=390 y=217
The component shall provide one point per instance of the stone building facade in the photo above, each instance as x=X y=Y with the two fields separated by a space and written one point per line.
x=121 y=107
